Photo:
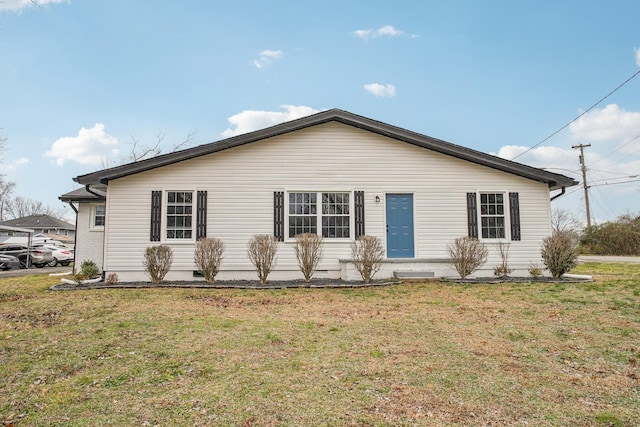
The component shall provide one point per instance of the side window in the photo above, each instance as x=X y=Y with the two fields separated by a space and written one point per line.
x=179 y=214
x=492 y=216
x=98 y=216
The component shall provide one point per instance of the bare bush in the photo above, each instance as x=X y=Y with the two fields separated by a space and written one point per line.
x=467 y=255
x=309 y=252
x=503 y=270
x=535 y=271
x=559 y=254
x=157 y=262
x=112 y=279
x=262 y=253
x=208 y=257
x=367 y=253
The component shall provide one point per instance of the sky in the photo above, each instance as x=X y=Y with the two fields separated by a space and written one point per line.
x=82 y=81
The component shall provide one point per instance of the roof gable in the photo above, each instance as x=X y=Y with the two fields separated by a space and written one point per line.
x=553 y=180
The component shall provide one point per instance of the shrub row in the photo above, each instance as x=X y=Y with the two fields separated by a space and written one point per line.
x=558 y=253
x=367 y=253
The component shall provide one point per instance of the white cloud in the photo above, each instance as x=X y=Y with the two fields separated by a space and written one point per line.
x=610 y=123
x=90 y=147
x=16 y=164
x=18 y=5
x=267 y=57
x=637 y=57
x=250 y=120
x=382 y=91
x=552 y=158
x=385 y=31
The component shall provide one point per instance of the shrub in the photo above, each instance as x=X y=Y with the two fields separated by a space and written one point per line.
x=559 y=254
x=535 y=271
x=309 y=252
x=112 y=279
x=262 y=253
x=503 y=270
x=467 y=254
x=208 y=256
x=619 y=237
x=157 y=262
x=88 y=270
x=367 y=253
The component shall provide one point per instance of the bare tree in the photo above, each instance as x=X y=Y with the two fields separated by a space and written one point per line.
x=6 y=190
x=6 y=187
x=19 y=207
x=140 y=151
x=563 y=221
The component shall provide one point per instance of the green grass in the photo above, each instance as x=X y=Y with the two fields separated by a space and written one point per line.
x=414 y=354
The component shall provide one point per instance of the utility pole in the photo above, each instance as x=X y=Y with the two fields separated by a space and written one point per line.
x=584 y=180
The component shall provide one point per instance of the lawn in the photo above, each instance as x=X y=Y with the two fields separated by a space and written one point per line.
x=410 y=354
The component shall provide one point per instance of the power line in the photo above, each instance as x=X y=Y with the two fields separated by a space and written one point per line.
x=580 y=115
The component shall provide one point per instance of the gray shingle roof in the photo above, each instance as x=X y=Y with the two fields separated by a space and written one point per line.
x=553 y=180
x=38 y=222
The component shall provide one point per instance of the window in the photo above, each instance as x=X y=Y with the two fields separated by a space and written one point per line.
x=179 y=214
x=333 y=215
x=492 y=215
x=98 y=216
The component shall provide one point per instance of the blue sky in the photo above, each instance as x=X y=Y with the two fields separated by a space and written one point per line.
x=80 y=80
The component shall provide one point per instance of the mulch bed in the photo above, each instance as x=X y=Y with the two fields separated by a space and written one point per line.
x=293 y=284
x=229 y=284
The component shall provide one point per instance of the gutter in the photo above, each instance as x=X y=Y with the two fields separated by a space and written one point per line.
x=559 y=194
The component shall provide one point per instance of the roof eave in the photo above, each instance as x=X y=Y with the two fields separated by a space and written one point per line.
x=551 y=179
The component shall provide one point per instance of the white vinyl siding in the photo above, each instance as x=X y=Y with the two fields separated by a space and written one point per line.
x=241 y=182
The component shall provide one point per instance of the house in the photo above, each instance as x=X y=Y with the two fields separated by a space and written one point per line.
x=333 y=173
x=47 y=229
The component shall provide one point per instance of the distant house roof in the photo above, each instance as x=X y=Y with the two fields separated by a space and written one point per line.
x=82 y=195
x=39 y=222
x=553 y=180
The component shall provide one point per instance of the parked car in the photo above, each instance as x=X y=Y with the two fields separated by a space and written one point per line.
x=62 y=256
x=35 y=256
x=7 y=262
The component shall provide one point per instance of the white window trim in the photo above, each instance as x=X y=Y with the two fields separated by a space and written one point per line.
x=352 y=227
x=92 y=217
x=507 y=217
x=163 y=219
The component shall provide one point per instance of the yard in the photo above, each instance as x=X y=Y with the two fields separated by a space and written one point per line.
x=411 y=354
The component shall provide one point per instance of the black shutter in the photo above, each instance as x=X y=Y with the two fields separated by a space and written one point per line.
x=514 y=210
x=472 y=215
x=358 y=202
x=201 y=215
x=156 y=216
x=278 y=215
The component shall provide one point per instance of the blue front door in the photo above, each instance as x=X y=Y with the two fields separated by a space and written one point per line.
x=400 y=226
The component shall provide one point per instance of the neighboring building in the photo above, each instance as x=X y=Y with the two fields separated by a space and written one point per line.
x=46 y=228
x=333 y=173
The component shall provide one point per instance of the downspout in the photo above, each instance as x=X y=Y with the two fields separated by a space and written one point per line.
x=558 y=195
x=75 y=235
